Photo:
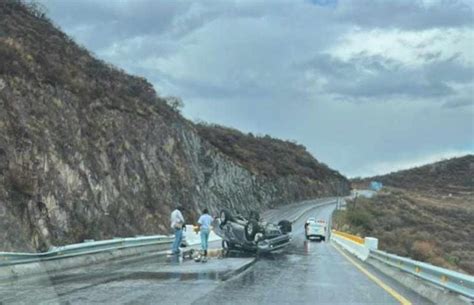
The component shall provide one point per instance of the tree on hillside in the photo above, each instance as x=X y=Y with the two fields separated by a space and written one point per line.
x=174 y=102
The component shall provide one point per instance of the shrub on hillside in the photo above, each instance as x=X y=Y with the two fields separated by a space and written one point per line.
x=409 y=225
x=265 y=155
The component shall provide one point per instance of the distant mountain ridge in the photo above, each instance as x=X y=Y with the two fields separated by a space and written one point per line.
x=455 y=175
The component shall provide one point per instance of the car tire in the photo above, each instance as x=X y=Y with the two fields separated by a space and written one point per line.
x=225 y=216
x=285 y=226
x=251 y=228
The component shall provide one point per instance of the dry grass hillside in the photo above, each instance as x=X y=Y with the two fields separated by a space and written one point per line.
x=455 y=176
x=426 y=213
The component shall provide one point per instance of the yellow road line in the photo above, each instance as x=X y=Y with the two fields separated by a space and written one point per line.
x=379 y=282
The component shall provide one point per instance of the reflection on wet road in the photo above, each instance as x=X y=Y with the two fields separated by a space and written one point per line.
x=308 y=272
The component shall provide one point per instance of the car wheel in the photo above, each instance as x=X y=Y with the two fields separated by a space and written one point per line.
x=225 y=216
x=285 y=226
x=251 y=228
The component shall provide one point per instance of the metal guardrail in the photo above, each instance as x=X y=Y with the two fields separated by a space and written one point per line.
x=10 y=258
x=454 y=281
x=462 y=284
x=87 y=247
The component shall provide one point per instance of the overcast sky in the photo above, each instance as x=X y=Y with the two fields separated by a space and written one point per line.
x=367 y=86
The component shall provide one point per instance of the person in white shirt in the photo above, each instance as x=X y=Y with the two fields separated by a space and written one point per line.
x=205 y=227
x=177 y=223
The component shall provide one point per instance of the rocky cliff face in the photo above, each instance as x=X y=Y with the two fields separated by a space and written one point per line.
x=87 y=151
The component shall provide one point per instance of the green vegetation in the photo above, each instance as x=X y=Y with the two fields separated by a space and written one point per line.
x=265 y=155
x=434 y=229
x=455 y=176
x=426 y=213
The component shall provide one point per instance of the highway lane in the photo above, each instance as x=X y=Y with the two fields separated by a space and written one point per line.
x=305 y=273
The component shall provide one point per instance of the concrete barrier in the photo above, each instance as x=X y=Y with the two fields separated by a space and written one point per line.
x=351 y=243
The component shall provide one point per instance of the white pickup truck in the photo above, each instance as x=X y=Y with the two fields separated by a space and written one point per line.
x=315 y=229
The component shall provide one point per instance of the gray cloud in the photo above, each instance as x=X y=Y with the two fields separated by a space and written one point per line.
x=101 y=23
x=406 y=14
x=104 y=22
x=450 y=70
x=368 y=76
x=460 y=102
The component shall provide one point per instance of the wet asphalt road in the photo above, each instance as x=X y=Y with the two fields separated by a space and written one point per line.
x=305 y=273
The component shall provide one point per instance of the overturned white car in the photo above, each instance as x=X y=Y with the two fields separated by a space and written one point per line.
x=252 y=233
